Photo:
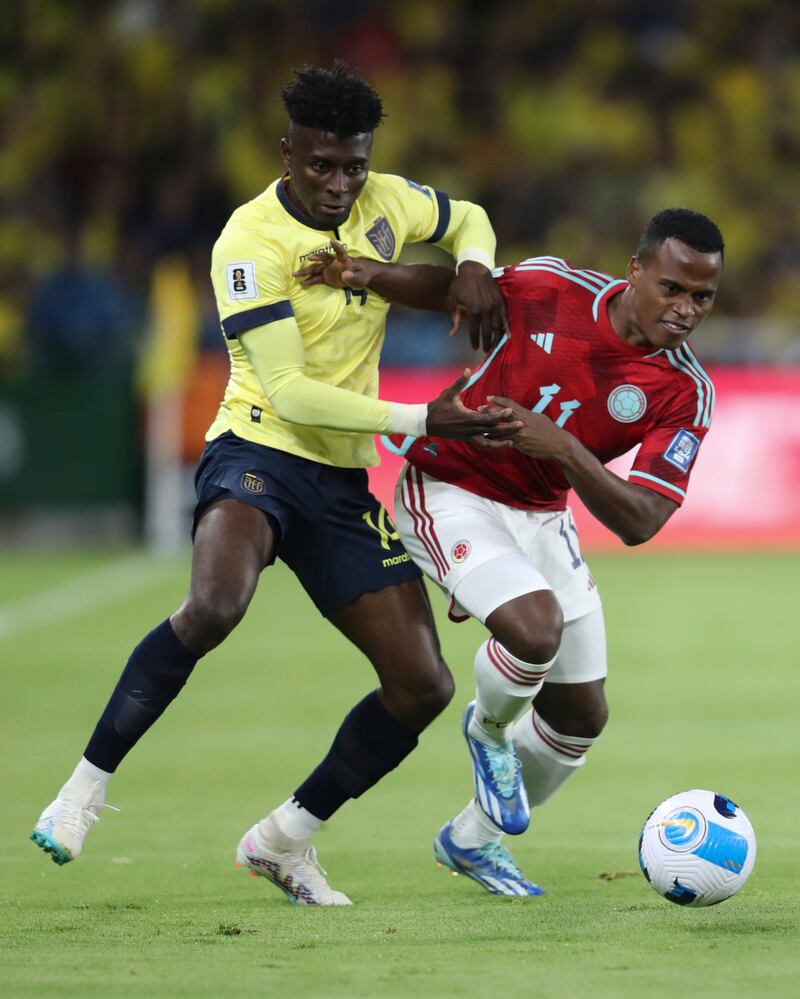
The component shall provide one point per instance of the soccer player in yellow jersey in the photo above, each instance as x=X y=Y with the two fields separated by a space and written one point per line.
x=283 y=470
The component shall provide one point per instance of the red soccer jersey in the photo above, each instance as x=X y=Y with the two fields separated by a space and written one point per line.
x=564 y=359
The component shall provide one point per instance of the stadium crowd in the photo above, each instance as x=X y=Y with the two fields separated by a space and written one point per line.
x=133 y=127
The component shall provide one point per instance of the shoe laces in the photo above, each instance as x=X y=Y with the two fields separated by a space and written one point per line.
x=504 y=767
x=310 y=857
x=501 y=859
x=80 y=812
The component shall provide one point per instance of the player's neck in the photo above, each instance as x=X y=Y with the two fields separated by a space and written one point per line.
x=296 y=202
x=623 y=320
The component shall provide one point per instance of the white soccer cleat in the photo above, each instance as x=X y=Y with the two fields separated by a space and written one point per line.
x=64 y=824
x=268 y=853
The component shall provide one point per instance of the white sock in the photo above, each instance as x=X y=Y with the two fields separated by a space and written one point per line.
x=473 y=828
x=505 y=688
x=295 y=821
x=86 y=774
x=548 y=758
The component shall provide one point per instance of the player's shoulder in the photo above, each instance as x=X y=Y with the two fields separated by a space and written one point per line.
x=692 y=386
x=557 y=272
x=401 y=189
x=254 y=229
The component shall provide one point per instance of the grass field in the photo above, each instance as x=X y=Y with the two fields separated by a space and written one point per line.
x=704 y=689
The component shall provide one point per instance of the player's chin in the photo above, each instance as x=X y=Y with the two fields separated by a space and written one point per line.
x=332 y=220
x=667 y=339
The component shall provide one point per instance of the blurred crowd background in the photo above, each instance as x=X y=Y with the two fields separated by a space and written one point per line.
x=132 y=128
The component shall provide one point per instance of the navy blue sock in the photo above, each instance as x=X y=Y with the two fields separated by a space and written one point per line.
x=158 y=668
x=370 y=743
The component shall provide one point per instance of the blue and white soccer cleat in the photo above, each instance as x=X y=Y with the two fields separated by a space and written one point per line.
x=65 y=823
x=491 y=866
x=498 y=781
x=263 y=851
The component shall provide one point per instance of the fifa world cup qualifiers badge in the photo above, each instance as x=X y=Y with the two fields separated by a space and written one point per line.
x=682 y=449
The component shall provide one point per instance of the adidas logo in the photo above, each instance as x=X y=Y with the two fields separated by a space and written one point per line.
x=543 y=340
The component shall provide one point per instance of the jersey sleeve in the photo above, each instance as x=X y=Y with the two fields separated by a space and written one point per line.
x=669 y=450
x=666 y=458
x=460 y=227
x=251 y=282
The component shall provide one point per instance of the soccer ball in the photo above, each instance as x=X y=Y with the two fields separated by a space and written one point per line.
x=697 y=848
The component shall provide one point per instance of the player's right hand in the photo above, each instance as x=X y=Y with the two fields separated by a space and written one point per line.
x=337 y=269
x=449 y=417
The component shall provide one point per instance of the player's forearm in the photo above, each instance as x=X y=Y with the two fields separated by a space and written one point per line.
x=417 y=286
x=304 y=400
x=276 y=354
x=632 y=512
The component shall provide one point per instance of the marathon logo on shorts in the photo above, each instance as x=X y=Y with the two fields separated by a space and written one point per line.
x=241 y=280
x=682 y=449
x=395 y=560
x=381 y=236
x=460 y=551
x=252 y=484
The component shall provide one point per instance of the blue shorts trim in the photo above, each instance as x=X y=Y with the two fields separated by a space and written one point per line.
x=332 y=532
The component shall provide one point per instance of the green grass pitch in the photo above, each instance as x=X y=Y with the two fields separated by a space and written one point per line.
x=703 y=687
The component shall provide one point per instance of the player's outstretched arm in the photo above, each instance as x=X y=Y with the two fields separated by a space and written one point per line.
x=417 y=286
x=634 y=513
x=471 y=297
x=276 y=353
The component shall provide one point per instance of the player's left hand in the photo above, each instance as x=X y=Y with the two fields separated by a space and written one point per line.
x=337 y=269
x=474 y=298
x=538 y=437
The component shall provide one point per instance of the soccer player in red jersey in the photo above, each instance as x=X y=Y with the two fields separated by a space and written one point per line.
x=591 y=366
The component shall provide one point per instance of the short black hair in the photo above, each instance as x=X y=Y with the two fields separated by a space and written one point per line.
x=693 y=228
x=333 y=100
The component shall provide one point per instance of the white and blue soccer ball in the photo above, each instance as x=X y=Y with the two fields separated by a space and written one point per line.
x=697 y=848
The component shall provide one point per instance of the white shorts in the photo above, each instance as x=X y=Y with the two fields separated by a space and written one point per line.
x=450 y=532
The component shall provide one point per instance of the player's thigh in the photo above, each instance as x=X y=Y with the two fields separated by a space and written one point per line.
x=344 y=544
x=451 y=533
x=551 y=542
x=395 y=630
x=233 y=542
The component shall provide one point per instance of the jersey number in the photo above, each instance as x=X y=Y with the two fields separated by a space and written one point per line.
x=548 y=393
x=574 y=553
x=350 y=293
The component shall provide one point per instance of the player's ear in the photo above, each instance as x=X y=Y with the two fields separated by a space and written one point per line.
x=634 y=266
x=286 y=153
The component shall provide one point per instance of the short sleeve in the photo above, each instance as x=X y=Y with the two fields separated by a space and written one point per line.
x=425 y=210
x=250 y=280
x=666 y=458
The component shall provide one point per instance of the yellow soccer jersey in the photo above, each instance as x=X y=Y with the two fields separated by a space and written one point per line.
x=342 y=331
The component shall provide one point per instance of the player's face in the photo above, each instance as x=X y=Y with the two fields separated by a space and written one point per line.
x=672 y=292
x=326 y=173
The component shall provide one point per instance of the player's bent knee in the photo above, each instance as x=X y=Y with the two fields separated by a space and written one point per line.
x=203 y=622
x=530 y=628
x=582 y=713
x=418 y=700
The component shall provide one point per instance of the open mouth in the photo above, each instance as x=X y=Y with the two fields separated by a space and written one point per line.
x=676 y=329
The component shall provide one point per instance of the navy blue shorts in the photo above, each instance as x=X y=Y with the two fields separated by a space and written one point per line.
x=331 y=531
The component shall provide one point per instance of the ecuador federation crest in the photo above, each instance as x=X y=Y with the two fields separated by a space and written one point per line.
x=381 y=236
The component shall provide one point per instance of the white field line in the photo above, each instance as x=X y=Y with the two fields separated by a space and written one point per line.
x=84 y=593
